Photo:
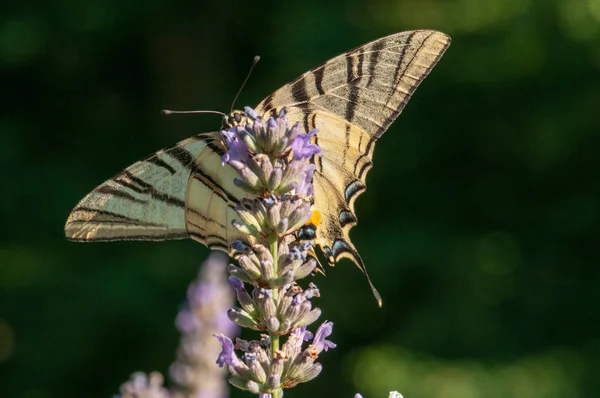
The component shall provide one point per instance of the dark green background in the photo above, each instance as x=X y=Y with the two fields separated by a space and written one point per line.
x=480 y=225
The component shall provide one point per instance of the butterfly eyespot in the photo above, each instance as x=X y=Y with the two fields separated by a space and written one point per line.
x=307 y=232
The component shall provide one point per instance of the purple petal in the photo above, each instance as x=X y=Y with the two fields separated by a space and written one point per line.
x=304 y=187
x=237 y=150
x=227 y=355
x=322 y=332
x=302 y=147
x=308 y=336
x=311 y=292
x=297 y=337
x=302 y=333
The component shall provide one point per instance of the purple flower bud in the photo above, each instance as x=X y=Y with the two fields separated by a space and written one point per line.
x=249 y=358
x=296 y=254
x=240 y=246
x=311 y=292
x=251 y=113
x=237 y=284
x=270 y=201
x=298 y=300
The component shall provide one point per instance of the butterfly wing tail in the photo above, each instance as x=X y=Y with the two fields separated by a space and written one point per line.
x=342 y=249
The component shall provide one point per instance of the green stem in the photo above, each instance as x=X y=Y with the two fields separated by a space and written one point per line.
x=273 y=244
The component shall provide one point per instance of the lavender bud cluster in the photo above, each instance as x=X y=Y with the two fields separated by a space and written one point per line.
x=274 y=166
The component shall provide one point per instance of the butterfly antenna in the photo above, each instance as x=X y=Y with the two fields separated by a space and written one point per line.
x=170 y=112
x=254 y=62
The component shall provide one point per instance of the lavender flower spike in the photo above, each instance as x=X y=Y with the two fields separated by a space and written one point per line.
x=273 y=161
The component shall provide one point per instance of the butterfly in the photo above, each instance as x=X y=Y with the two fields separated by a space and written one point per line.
x=184 y=191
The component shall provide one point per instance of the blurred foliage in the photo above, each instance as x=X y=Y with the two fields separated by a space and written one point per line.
x=480 y=226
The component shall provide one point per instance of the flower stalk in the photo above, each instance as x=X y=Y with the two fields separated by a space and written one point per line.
x=273 y=243
x=274 y=164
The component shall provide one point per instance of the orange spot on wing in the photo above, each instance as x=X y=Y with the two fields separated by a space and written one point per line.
x=315 y=218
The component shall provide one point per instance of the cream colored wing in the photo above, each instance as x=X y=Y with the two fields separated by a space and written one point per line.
x=352 y=99
x=161 y=197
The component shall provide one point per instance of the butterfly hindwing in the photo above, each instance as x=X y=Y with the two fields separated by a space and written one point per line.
x=339 y=179
x=352 y=99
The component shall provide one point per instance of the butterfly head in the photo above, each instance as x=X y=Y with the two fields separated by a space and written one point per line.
x=235 y=118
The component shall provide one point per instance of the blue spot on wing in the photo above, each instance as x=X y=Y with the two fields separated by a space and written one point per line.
x=346 y=217
x=352 y=189
x=340 y=246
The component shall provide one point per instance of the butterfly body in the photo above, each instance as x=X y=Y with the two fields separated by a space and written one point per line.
x=185 y=190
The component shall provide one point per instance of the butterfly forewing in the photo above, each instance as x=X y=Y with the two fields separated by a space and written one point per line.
x=179 y=192
x=146 y=201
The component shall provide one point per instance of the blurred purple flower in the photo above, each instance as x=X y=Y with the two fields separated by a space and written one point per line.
x=205 y=313
x=144 y=386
